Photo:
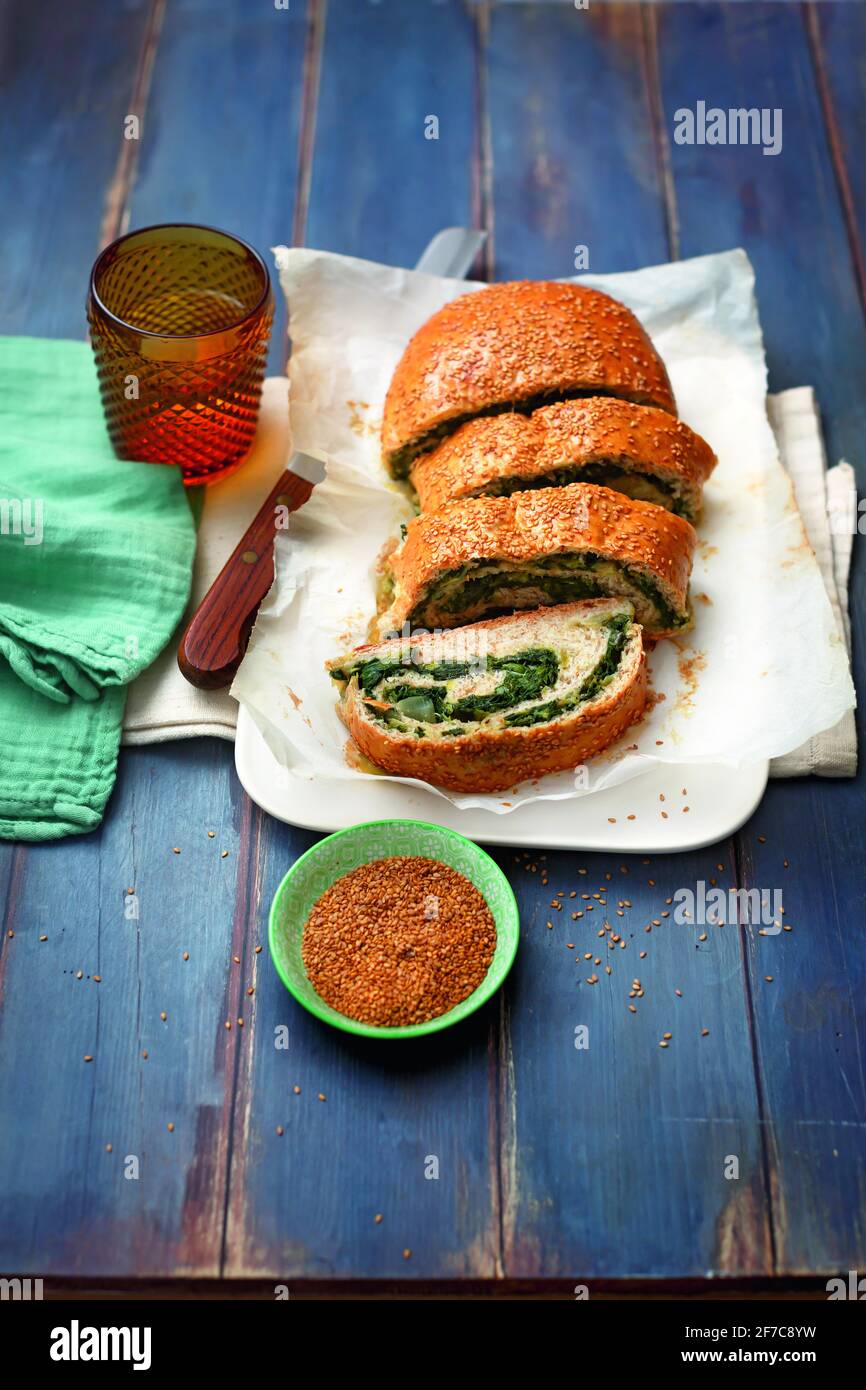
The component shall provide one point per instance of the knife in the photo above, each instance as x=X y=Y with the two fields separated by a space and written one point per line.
x=213 y=644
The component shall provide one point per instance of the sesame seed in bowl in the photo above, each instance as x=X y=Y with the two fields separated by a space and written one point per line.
x=393 y=929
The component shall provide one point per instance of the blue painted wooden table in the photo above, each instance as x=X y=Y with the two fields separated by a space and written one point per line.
x=306 y=124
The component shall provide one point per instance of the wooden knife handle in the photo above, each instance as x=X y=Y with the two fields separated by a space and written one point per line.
x=214 y=643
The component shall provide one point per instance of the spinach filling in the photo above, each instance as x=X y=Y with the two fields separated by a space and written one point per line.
x=401 y=460
x=598 y=678
x=525 y=676
x=561 y=578
x=602 y=472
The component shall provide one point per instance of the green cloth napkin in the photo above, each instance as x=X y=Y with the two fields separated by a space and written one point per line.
x=95 y=565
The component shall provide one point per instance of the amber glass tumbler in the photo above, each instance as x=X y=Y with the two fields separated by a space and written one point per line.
x=179 y=321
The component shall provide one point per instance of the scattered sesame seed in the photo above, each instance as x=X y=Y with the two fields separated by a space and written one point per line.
x=170 y=1127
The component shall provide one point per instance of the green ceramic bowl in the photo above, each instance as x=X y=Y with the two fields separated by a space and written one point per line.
x=337 y=855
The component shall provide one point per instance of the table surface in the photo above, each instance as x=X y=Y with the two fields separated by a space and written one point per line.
x=306 y=125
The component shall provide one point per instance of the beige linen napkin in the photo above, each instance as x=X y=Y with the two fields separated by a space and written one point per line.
x=826 y=499
x=162 y=705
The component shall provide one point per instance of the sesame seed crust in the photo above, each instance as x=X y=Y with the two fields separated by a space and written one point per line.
x=512 y=342
x=523 y=448
x=526 y=526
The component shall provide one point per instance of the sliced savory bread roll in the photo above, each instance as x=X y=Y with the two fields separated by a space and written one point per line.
x=634 y=449
x=487 y=555
x=486 y=706
x=515 y=346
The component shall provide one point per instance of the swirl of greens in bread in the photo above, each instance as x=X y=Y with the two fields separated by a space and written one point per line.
x=483 y=707
x=483 y=556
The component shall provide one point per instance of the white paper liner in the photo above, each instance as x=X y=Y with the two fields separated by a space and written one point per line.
x=765 y=667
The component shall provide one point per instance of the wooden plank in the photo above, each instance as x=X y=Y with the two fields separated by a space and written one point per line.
x=302 y=1205
x=221 y=139
x=618 y=1152
x=380 y=188
x=783 y=209
x=788 y=213
x=66 y=1205
x=837 y=35
x=572 y=137
x=613 y=1156
x=68 y=83
x=809 y=1022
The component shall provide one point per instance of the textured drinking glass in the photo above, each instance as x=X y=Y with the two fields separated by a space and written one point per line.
x=179 y=321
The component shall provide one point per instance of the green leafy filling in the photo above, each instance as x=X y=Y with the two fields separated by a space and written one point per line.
x=525 y=675
x=603 y=472
x=401 y=460
x=560 y=578
x=593 y=685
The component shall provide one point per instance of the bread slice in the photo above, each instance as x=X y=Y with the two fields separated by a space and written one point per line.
x=515 y=346
x=485 y=707
x=486 y=555
x=634 y=449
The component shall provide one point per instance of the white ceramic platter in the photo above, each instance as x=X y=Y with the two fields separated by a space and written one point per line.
x=719 y=799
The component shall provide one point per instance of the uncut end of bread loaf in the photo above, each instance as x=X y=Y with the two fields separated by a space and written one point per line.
x=487 y=754
x=515 y=346
x=528 y=549
x=638 y=450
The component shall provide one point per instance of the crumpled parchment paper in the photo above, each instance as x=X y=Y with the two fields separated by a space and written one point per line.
x=765 y=666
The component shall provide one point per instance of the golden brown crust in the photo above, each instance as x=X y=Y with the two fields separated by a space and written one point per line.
x=546 y=521
x=511 y=343
x=489 y=761
x=524 y=448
